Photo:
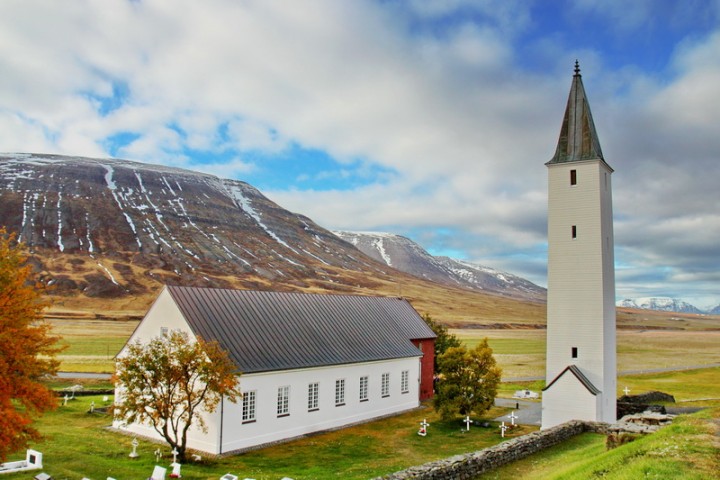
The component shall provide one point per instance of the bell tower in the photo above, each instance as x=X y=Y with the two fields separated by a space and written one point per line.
x=581 y=371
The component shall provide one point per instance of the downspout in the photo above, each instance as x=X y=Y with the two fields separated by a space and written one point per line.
x=222 y=415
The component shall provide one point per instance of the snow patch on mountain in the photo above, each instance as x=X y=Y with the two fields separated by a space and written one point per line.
x=665 y=304
x=407 y=256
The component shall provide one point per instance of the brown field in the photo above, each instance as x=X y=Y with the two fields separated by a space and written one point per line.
x=521 y=353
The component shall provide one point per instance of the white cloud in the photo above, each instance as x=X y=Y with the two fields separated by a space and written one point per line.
x=435 y=92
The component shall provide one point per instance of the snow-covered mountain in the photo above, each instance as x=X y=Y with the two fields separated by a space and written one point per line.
x=407 y=256
x=665 y=304
x=714 y=310
x=112 y=228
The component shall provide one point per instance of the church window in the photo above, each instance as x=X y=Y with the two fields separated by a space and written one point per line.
x=385 y=388
x=364 y=389
x=405 y=381
x=573 y=177
x=283 y=401
x=574 y=352
x=248 y=407
x=313 y=390
x=574 y=232
x=340 y=392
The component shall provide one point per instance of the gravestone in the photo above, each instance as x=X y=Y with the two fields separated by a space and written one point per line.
x=503 y=427
x=134 y=444
x=423 y=428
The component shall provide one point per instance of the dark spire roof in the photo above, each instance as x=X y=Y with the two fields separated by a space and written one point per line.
x=578 y=139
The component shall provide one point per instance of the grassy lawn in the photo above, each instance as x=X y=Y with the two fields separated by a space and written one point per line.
x=687 y=449
x=78 y=445
x=688 y=387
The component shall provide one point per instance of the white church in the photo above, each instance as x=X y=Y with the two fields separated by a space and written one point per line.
x=308 y=362
x=581 y=376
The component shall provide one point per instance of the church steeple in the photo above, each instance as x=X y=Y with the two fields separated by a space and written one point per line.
x=578 y=139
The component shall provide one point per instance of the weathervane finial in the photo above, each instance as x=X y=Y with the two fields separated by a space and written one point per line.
x=577 y=68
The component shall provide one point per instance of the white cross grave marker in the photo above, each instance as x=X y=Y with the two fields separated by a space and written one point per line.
x=423 y=427
x=512 y=417
x=626 y=390
x=467 y=423
x=174 y=454
x=134 y=444
x=158 y=454
x=65 y=400
x=92 y=407
x=503 y=427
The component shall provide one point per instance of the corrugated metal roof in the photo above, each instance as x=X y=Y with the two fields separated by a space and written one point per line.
x=266 y=331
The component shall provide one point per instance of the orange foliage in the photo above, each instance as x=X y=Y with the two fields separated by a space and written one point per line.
x=26 y=349
x=170 y=382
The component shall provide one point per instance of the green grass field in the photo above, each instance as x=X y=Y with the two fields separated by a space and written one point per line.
x=79 y=444
x=687 y=449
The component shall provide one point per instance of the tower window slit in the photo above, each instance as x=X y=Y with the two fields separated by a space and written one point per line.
x=574 y=232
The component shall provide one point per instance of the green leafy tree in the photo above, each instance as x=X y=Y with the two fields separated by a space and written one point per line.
x=443 y=341
x=170 y=381
x=27 y=349
x=469 y=381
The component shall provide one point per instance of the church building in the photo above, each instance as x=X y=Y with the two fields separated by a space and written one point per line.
x=308 y=362
x=581 y=376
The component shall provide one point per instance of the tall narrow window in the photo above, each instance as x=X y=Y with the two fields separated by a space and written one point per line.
x=248 y=407
x=339 y=392
x=574 y=231
x=313 y=390
x=385 y=387
x=574 y=352
x=573 y=177
x=364 y=389
x=405 y=381
x=283 y=401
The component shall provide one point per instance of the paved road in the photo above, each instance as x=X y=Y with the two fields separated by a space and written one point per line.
x=529 y=412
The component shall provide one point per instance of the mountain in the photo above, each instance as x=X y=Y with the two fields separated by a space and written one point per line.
x=113 y=228
x=665 y=304
x=714 y=310
x=407 y=256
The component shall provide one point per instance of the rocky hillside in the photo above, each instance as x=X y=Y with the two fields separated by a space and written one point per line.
x=109 y=228
x=403 y=254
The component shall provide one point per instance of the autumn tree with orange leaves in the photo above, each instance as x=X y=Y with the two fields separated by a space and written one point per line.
x=27 y=349
x=170 y=382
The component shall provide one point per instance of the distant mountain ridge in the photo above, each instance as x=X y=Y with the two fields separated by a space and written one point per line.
x=403 y=254
x=665 y=304
x=111 y=228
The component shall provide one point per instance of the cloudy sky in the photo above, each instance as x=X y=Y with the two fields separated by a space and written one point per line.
x=431 y=119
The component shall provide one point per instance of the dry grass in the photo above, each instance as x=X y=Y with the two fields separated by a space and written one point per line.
x=521 y=353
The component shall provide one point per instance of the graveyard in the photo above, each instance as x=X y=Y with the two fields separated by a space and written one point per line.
x=79 y=445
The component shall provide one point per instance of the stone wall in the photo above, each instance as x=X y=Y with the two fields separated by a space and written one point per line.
x=470 y=465
x=648 y=397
